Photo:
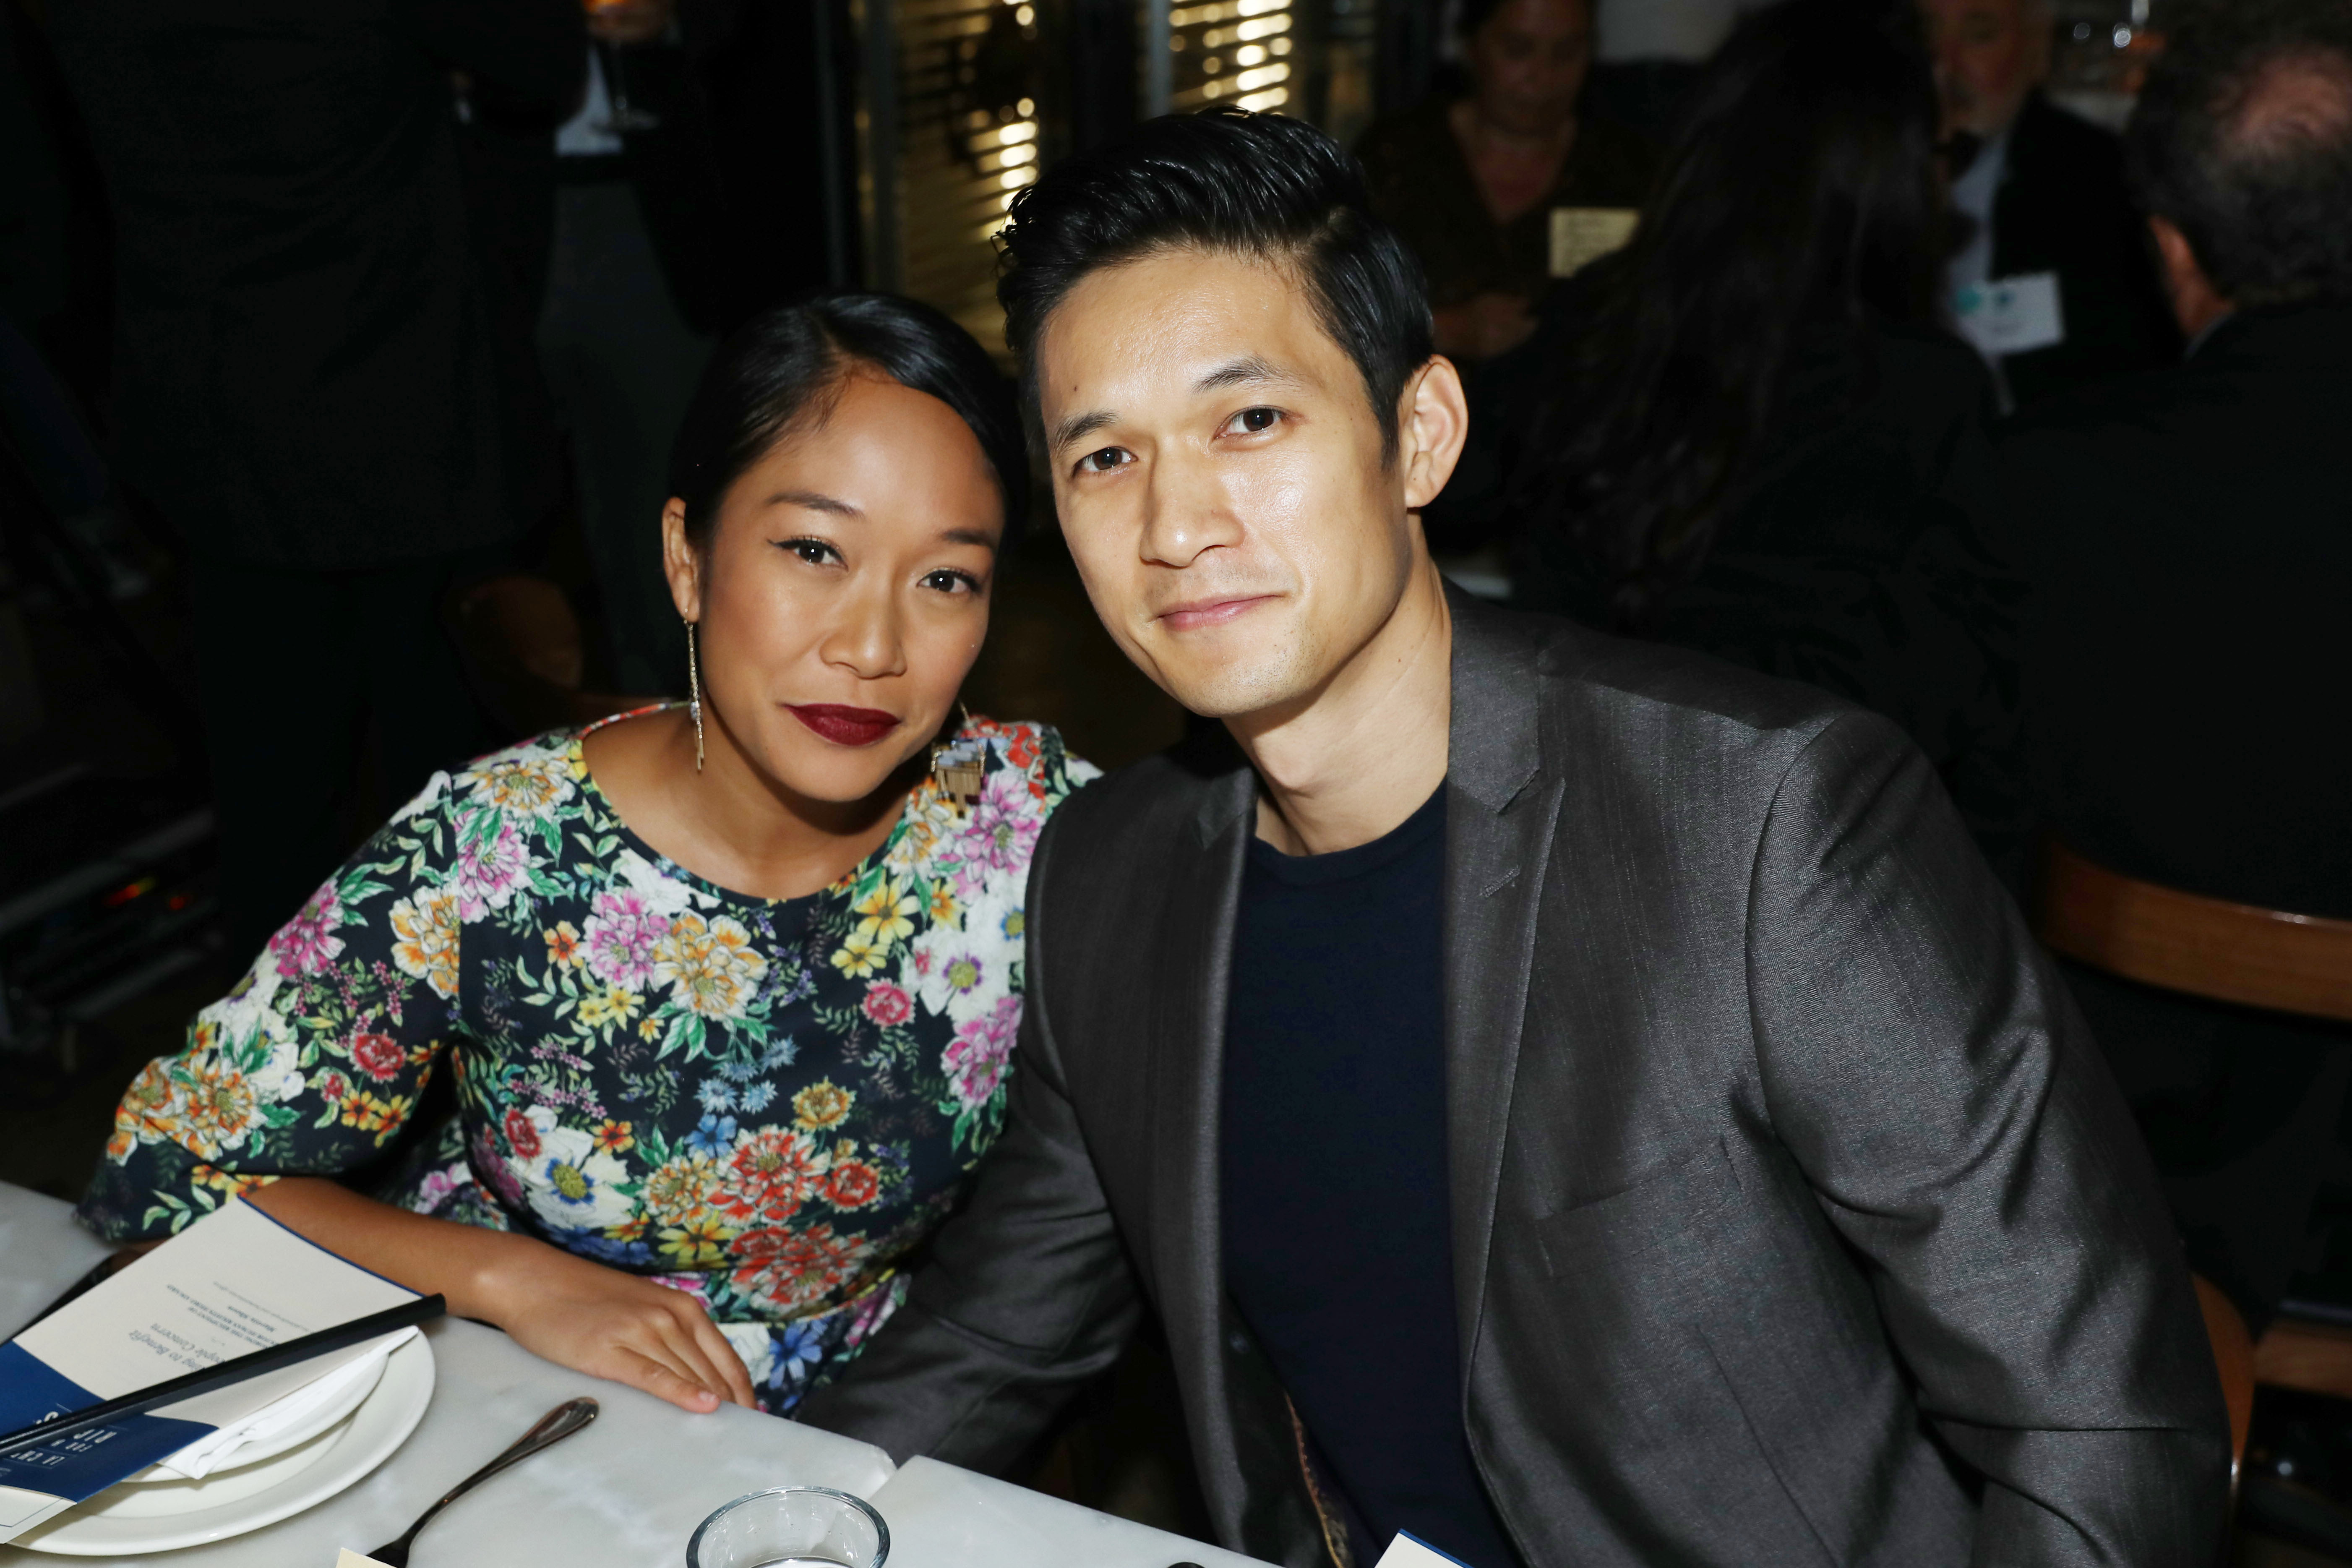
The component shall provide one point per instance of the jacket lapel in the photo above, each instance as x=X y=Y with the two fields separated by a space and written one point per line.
x=1186 y=1027
x=1501 y=804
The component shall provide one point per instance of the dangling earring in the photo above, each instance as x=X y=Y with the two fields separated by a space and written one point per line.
x=694 y=688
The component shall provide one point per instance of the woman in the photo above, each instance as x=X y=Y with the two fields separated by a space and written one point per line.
x=1748 y=432
x=1471 y=182
x=726 y=988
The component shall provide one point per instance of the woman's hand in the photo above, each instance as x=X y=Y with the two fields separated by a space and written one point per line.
x=574 y=1313
x=581 y=1314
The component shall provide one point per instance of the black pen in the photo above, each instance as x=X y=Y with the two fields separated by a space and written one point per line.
x=237 y=1369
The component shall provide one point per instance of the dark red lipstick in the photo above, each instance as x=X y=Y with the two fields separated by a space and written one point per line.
x=845 y=726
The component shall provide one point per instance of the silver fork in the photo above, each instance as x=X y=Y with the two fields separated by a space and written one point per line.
x=553 y=1427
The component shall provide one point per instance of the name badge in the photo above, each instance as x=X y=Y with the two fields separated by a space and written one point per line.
x=1411 y=1551
x=2010 y=315
x=1580 y=236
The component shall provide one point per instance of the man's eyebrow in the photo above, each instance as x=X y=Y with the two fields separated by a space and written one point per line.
x=814 y=500
x=1079 y=426
x=1249 y=371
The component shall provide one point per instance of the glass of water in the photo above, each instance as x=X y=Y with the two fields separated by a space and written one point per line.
x=791 y=1527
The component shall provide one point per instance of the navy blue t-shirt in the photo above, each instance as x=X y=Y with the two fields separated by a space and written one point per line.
x=1338 y=1244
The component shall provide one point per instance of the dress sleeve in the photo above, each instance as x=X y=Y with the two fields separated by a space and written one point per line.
x=316 y=1058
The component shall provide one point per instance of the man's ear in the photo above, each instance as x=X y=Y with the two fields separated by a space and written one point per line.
x=1433 y=423
x=2196 y=304
x=681 y=562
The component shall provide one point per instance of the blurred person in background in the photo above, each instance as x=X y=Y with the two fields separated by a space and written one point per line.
x=307 y=377
x=1746 y=433
x=2052 y=281
x=2189 y=537
x=1471 y=182
x=681 y=208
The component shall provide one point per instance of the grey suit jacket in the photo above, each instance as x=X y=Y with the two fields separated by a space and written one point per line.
x=1795 y=1218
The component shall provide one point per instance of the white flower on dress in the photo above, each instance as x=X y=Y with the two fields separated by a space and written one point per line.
x=570 y=1183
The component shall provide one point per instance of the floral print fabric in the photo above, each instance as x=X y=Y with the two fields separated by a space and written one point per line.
x=766 y=1103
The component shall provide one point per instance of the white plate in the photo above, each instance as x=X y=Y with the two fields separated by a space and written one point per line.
x=130 y=1521
x=295 y=1436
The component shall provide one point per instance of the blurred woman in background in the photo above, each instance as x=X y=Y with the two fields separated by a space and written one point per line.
x=1748 y=432
x=727 y=989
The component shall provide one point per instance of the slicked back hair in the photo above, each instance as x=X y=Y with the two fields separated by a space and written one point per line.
x=2265 y=199
x=1225 y=181
x=783 y=373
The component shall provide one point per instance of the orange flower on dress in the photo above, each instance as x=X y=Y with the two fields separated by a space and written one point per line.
x=616 y=1137
x=427 y=926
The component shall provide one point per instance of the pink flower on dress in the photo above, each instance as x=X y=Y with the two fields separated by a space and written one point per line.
x=1005 y=824
x=886 y=1005
x=489 y=870
x=621 y=931
x=975 y=1060
x=307 y=943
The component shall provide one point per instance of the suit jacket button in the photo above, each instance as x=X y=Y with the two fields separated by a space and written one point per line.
x=1240 y=1344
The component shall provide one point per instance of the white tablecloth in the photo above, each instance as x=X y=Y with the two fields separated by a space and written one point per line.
x=626 y=1491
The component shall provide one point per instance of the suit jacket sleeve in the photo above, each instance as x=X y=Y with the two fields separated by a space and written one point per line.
x=1924 y=1064
x=1027 y=1294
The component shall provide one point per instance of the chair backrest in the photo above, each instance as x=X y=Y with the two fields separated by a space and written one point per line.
x=2186 y=942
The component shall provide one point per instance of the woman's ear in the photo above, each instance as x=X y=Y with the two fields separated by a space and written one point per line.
x=681 y=562
x=1432 y=425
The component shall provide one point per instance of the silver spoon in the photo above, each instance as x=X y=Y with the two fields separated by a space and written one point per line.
x=553 y=1427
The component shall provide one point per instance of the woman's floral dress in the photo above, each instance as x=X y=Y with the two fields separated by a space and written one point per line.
x=766 y=1103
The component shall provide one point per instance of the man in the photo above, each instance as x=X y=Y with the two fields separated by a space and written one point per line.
x=2054 y=286
x=1566 y=1098
x=1471 y=183
x=2189 y=540
x=310 y=382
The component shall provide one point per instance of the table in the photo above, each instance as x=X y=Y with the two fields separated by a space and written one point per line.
x=628 y=1491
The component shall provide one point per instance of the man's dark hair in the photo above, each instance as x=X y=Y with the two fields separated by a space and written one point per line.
x=784 y=371
x=1234 y=182
x=2262 y=194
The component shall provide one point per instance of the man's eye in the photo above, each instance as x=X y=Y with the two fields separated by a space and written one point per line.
x=1102 y=462
x=1250 y=421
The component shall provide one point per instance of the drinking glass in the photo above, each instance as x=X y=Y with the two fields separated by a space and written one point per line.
x=621 y=116
x=791 y=1527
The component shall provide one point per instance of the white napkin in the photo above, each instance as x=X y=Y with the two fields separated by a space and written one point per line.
x=347 y=1558
x=220 y=1447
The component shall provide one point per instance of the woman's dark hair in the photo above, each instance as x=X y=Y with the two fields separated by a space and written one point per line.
x=1224 y=180
x=782 y=372
x=2263 y=199
x=1801 y=188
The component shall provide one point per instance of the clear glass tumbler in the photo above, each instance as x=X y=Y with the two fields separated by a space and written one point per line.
x=791 y=1527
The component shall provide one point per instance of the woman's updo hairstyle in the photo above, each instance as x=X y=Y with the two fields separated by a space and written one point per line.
x=783 y=369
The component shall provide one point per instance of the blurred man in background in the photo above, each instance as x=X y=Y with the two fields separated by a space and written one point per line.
x=2055 y=288
x=313 y=381
x=2189 y=539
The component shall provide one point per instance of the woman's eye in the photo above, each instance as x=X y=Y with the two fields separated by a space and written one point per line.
x=1102 y=462
x=948 y=581
x=1250 y=421
x=815 y=551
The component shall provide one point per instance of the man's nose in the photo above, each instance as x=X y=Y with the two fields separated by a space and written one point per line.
x=1185 y=513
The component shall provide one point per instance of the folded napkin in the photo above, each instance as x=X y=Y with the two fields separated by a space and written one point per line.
x=347 y=1558
x=219 y=1448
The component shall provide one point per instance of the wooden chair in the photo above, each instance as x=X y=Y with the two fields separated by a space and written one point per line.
x=2226 y=953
